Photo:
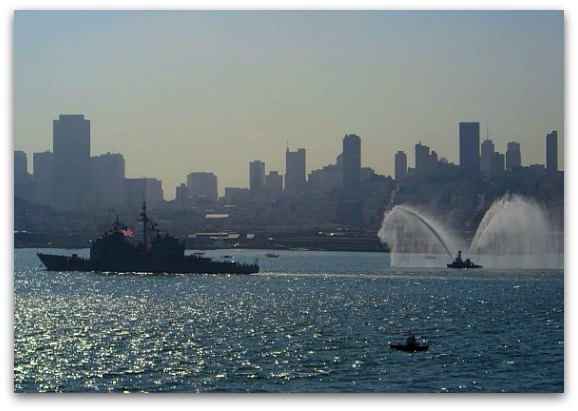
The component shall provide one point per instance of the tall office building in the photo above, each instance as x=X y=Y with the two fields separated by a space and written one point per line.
x=470 y=147
x=256 y=175
x=422 y=158
x=182 y=196
x=43 y=174
x=351 y=162
x=202 y=185
x=552 y=151
x=20 y=167
x=295 y=170
x=140 y=190
x=274 y=182
x=71 y=147
x=498 y=164
x=23 y=187
x=400 y=166
x=513 y=156
x=107 y=175
x=487 y=158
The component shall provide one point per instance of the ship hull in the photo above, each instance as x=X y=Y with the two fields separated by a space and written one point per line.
x=184 y=266
x=409 y=348
x=460 y=266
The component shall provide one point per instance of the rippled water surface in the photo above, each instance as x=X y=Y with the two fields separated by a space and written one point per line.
x=309 y=322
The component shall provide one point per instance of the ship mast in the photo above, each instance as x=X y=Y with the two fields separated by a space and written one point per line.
x=116 y=225
x=145 y=220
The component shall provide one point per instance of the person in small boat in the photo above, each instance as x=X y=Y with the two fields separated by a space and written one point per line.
x=411 y=341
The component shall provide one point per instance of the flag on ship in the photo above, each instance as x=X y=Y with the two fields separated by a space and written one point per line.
x=126 y=231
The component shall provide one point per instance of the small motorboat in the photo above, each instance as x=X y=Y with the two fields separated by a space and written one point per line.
x=459 y=263
x=272 y=255
x=411 y=344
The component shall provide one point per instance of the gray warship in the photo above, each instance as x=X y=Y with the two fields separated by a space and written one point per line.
x=156 y=253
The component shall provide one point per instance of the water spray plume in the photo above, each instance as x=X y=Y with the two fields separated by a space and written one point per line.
x=405 y=228
x=514 y=225
x=514 y=228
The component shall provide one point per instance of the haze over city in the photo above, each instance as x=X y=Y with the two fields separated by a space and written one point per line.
x=179 y=92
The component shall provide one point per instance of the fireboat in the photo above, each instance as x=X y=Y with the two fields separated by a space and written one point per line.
x=459 y=263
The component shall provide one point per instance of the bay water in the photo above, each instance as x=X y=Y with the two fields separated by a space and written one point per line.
x=308 y=322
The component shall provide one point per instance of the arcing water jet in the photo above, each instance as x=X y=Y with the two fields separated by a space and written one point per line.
x=408 y=230
x=515 y=232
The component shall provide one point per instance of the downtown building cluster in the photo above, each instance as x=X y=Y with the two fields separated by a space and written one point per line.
x=69 y=178
x=475 y=159
x=344 y=193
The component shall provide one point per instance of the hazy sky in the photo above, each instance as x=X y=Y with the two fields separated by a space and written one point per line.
x=178 y=92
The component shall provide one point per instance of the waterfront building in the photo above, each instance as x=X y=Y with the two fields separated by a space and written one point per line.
x=71 y=147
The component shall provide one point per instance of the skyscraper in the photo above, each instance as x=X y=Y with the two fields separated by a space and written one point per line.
x=400 y=166
x=182 y=196
x=274 y=182
x=202 y=185
x=23 y=187
x=71 y=147
x=20 y=168
x=107 y=174
x=139 y=190
x=470 y=147
x=552 y=151
x=256 y=175
x=422 y=158
x=513 y=156
x=295 y=170
x=487 y=157
x=497 y=168
x=43 y=174
x=351 y=162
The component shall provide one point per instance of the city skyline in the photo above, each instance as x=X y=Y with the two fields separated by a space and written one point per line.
x=64 y=184
x=285 y=89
